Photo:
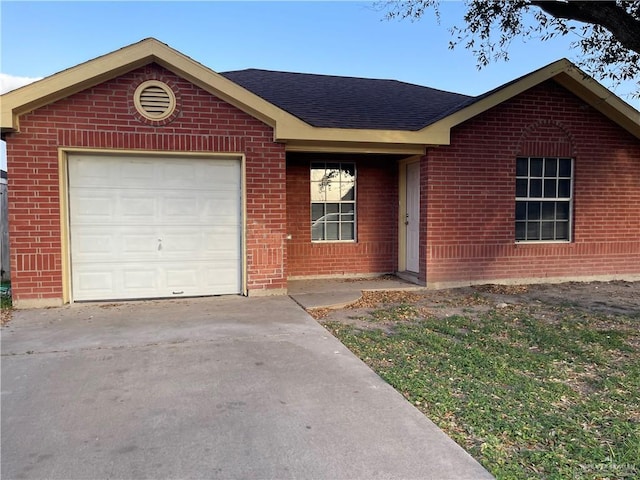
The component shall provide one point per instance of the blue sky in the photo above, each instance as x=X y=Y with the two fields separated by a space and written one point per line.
x=338 y=38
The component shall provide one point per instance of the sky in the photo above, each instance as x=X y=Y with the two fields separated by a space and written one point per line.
x=38 y=39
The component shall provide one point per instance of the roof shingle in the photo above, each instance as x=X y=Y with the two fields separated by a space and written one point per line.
x=349 y=102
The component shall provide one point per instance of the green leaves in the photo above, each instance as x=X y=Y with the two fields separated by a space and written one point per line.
x=606 y=33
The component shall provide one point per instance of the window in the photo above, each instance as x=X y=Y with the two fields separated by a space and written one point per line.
x=543 y=199
x=333 y=201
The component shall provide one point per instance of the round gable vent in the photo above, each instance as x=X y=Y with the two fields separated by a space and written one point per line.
x=154 y=100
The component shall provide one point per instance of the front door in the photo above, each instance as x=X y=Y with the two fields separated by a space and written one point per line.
x=412 y=218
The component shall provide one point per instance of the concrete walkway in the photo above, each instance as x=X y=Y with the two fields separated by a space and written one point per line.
x=225 y=387
x=338 y=292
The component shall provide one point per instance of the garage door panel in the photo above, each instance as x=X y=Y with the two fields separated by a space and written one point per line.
x=157 y=227
x=135 y=173
x=223 y=211
x=93 y=244
x=113 y=244
x=174 y=175
x=95 y=282
x=92 y=207
x=221 y=242
x=222 y=173
x=136 y=280
x=89 y=172
x=205 y=209
x=135 y=206
x=223 y=277
x=177 y=278
x=138 y=245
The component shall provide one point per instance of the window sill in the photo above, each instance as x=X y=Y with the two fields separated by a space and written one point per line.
x=543 y=242
x=324 y=242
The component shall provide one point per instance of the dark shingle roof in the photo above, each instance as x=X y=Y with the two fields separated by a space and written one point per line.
x=348 y=102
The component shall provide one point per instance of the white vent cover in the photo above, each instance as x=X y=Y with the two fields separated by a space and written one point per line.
x=154 y=100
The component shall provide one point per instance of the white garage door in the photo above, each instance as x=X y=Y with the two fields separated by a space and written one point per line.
x=150 y=227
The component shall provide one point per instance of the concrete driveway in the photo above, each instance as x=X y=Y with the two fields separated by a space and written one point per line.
x=225 y=387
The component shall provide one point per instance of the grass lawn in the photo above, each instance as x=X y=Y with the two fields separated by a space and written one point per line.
x=530 y=390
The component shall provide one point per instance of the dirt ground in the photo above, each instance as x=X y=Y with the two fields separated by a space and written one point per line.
x=5 y=316
x=604 y=298
x=608 y=298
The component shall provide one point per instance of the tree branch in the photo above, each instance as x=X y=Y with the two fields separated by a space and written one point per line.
x=624 y=27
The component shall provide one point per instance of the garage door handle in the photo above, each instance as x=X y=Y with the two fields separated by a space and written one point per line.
x=178 y=293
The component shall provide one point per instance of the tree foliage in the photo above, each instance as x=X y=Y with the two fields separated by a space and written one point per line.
x=606 y=33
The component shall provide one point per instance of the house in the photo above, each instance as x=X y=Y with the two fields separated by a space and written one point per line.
x=144 y=174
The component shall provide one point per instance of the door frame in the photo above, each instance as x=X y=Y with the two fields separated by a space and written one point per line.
x=402 y=211
x=65 y=229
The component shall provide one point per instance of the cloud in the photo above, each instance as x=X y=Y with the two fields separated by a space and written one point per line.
x=11 y=82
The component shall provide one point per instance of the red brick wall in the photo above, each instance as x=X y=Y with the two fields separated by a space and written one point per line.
x=104 y=117
x=471 y=192
x=377 y=218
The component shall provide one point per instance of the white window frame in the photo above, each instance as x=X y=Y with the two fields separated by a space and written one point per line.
x=317 y=165
x=541 y=179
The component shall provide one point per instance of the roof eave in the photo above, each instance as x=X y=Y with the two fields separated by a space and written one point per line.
x=301 y=132
x=601 y=99
x=570 y=77
x=287 y=128
x=101 y=69
x=72 y=80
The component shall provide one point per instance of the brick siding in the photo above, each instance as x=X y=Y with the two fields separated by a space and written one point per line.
x=470 y=207
x=467 y=207
x=375 y=250
x=104 y=117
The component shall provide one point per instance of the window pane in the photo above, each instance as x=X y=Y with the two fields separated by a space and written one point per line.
x=564 y=167
x=332 y=231
x=535 y=188
x=346 y=208
x=333 y=192
x=317 y=172
x=562 y=210
x=348 y=172
x=348 y=231
x=549 y=181
x=547 y=230
x=550 y=167
x=549 y=189
x=536 y=167
x=317 y=230
x=533 y=209
x=522 y=167
x=317 y=192
x=317 y=211
x=562 y=230
x=347 y=191
x=332 y=208
x=548 y=211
